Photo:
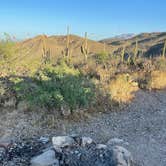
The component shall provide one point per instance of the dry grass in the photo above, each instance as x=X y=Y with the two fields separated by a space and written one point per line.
x=158 y=80
x=122 y=88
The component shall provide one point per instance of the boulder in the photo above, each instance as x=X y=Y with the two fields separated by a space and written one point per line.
x=101 y=146
x=115 y=141
x=62 y=141
x=121 y=156
x=86 y=141
x=45 y=159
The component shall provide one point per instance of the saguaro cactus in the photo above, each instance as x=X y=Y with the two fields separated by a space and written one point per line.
x=104 y=50
x=164 y=50
x=136 y=50
x=123 y=54
x=67 y=51
x=84 y=47
x=45 y=51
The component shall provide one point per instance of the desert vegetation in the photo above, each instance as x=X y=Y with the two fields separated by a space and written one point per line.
x=79 y=75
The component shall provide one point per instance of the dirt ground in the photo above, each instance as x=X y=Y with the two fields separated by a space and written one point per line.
x=142 y=124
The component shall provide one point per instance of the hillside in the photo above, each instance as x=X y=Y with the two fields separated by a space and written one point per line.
x=56 y=44
x=117 y=38
x=149 y=44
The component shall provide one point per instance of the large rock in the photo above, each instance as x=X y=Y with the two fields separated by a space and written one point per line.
x=116 y=141
x=45 y=159
x=101 y=146
x=62 y=141
x=121 y=156
x=86 y=141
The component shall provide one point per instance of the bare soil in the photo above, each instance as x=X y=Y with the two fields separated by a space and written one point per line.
x=142 y=124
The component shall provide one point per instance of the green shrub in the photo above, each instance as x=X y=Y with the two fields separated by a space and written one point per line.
x=102 y=57
x=7 y=49
x=53 y=87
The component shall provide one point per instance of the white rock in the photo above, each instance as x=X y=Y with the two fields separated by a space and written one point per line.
x=86 y=141
x=44 y=140
x=115 y=141
x=45 y=159
x=62 y=141
x=65 y=111
x=121 y=156
x=101 y=146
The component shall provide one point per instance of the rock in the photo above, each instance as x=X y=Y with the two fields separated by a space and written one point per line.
x=65 y=111
x=11 y=102
x=101 y=146
x=115 y=141
x=76 y=138
x=44 y=140
x=45 y=159
x=86 y=141
x=62 y=141
x=121 y=156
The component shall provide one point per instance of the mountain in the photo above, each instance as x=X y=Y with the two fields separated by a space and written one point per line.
x=118 y=38
x=32 y=48
x=150 y=44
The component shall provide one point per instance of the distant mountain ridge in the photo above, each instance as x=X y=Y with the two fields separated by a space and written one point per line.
x=119 y=37
x=150 y=44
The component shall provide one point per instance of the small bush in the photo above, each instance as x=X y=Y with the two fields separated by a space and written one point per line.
x=102 y=58
x=157 y=80
x=7 y=97
x=122 y=88
x=7 y=49
x=160 y=64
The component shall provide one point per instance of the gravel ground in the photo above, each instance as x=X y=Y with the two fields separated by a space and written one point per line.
x=142 y=124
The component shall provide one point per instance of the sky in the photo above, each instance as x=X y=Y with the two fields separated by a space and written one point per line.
x=100 y=18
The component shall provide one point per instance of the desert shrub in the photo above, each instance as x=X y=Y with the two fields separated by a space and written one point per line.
x=145 y=64
x=7 y=96
x=7 y=49
x=122 y=88
x=54 y=87
x=104 y=74
x=157 y=80
x=160 y=63
x=102 y=58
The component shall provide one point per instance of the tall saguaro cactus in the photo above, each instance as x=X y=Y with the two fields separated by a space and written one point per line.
x=104 y=50
x=164 y=50
x=67 y=51
x=136 y=50
x=84 y=47
x=45 y=51
x=123 y=54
